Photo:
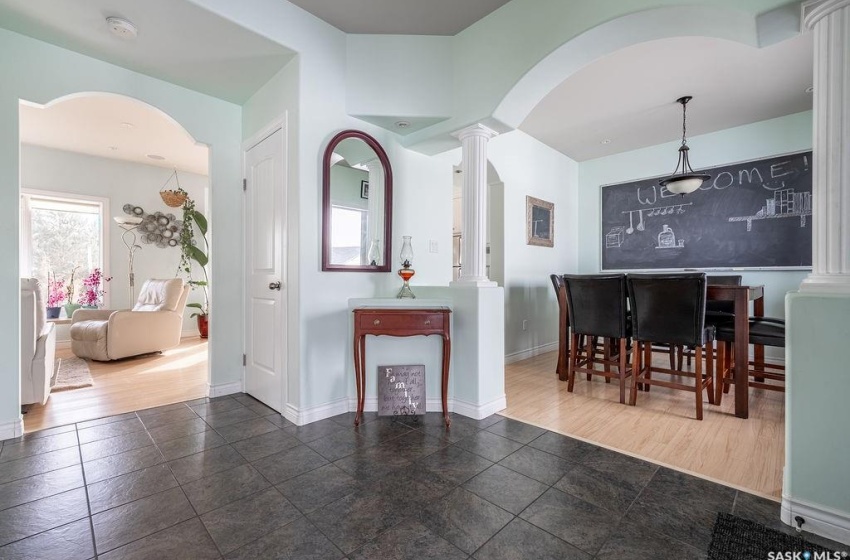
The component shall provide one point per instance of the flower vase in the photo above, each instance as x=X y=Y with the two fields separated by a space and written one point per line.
x=70 y=308
x=89 y=307
x=53 y=312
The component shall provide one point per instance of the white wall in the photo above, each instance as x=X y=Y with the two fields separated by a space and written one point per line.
x=40 y=73
x=120 y=182
x=527 y=167
x=767 y=138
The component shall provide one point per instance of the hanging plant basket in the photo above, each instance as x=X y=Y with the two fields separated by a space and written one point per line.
x=173 y=197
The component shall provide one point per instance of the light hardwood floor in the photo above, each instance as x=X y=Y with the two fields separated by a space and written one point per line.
x=747 y=454
x=179 y=374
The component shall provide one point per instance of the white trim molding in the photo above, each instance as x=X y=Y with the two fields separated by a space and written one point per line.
x=476 y=412
x=13 y=429
x=223 y=389
x=820 y=520
x=521 y=355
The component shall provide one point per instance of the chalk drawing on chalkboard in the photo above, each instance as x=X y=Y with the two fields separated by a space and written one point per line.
x=667 y=239
x=786 y=203
x=615 y=237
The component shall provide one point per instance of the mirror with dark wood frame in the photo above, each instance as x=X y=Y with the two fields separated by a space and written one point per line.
x=357 y=202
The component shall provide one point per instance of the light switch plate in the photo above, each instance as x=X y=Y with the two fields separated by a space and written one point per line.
x=434 y=247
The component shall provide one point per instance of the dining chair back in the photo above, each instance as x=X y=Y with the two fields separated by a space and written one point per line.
x=668 y=307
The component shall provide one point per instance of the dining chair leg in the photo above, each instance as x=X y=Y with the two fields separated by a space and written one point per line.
x=709 y=372
x=672 y=356
x=572 y=363
x=698 y=360
x=591 y=354
x=607 y=357
x=636 y=371
x=719 y=373
x=730 y=359
x=647 y=358
x=622 y=368
x=680 y=355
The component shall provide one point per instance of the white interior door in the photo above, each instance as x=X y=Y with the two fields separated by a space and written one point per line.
x=265 y=250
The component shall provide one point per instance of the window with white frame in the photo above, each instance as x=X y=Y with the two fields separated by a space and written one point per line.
x=348 y=236
x=61 y=235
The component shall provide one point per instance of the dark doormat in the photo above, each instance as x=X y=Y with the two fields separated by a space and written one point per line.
x=735 y=538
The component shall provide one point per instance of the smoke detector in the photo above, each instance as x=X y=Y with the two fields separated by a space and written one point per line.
x=122 y=28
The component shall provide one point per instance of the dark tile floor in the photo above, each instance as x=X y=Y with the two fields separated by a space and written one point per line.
x=227 y=477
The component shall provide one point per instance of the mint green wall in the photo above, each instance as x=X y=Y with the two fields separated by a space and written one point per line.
x=38 y=72
x=776 y=136
x=817 y=441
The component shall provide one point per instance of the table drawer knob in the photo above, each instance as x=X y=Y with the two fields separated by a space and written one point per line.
x=376 y=322
x=428 y=322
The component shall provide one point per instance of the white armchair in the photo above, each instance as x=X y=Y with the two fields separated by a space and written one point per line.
x=153 y=325
x=38 y=345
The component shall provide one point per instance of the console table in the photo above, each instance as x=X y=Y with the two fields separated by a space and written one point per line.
x=398 y=321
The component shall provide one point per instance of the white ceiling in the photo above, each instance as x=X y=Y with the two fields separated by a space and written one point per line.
x=628 y=97
x=177 y=41
x=401 y=17
x=95 y=124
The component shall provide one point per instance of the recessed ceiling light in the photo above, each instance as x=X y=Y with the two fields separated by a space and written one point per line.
x=156 y=157
x=606 y=141
x=402 y=124
x=122 y=28
x=810 y=89
x=127 y=125
x=113 y=148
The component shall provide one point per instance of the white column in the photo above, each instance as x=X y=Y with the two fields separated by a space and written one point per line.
x=474 y=206
x=830 y=21
x=377 y=178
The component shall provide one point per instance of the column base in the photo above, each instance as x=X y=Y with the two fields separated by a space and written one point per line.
x=473 y=282
x=826 y=284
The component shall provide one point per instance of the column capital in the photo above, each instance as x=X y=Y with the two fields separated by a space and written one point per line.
x=479 y=129
x=815 y=10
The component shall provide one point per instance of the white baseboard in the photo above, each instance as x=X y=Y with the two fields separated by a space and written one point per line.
x=819 y=520
x=13 y=429
x=530 y=353
x=223 y=389
x=299 y=417
x=478 y=412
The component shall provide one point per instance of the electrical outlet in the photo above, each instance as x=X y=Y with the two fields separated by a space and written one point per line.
x=434 y=247
x=525 y=324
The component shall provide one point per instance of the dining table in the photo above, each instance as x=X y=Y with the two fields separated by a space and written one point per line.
x=742 y=296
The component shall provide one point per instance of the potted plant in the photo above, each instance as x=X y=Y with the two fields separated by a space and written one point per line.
x=93 y=290
x=55 y=296
x=189 y=253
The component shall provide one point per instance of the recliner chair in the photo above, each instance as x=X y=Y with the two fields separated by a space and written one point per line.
x=38 y=345
x=153 y=325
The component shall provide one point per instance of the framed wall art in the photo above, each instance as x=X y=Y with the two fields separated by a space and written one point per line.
x=539 y=222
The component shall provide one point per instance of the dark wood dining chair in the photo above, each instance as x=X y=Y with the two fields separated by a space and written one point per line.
x=670 y=308
x=716 y=312
x=563 y=325
x=766 y=331
x=597 y=305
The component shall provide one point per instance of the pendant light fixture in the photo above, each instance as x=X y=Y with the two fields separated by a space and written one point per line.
x=685 y=181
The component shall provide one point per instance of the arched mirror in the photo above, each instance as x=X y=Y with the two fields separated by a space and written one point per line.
x=357 y=202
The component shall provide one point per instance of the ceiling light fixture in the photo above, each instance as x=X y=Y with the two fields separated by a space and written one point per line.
x=606 y=142
x=113 y=148
x=402 y=124
x=810 y=89
x=127 y=125
x=685 y=181
x=156 y=157
x=122 y=28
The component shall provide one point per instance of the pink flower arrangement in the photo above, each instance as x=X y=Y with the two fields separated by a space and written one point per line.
x=55 y=292
x=92 y=292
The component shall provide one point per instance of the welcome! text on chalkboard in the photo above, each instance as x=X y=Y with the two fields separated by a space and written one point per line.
x=753 y=214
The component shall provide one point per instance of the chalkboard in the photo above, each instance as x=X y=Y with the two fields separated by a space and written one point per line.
x=753 y=214
x=401 y=390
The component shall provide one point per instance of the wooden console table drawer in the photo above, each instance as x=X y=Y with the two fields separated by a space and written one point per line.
x=399 y=322
x=392 y=322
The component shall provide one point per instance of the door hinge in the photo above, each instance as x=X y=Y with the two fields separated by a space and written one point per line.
x=244 y=184
x=244 y=359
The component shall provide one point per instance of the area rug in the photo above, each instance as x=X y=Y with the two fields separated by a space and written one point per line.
x=73 y=374
x=735 y=538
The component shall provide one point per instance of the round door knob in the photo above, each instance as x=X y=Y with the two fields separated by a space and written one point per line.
x=274 y=285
